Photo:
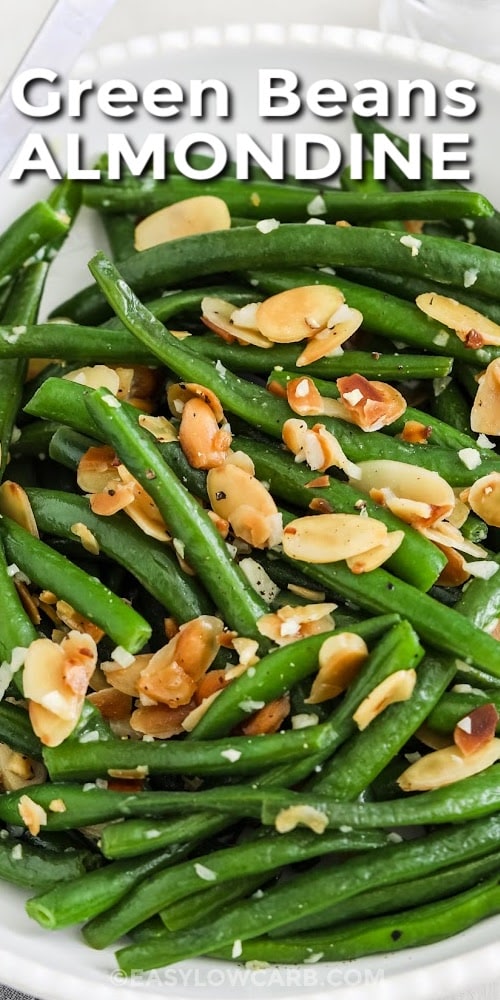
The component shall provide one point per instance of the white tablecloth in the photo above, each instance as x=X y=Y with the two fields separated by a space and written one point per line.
x=20 y=19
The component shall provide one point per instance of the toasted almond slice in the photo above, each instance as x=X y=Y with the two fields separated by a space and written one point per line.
x=340 y=659
x=143 y=510
x=159 y=427
x=415 y=432
x=484 y=498
x=116 y=496
x=367 y=561
x=159 y=720
x=88 y=540
x=297 y=313
x=50 y=728
x=324 y=538
x=445 y=534
x=198 y=712
x=172 y=673
x=333 y=455
x=259 y=530
x=112 y=704
x=32 y=815
x=201 y=214
x=444 y=767
x=217 y=314
x=77 y=622
x=168 y=685
x=330 y=340
x=126 y=679
x=298 y=624
x=96 y=468
x=485 y=413
x=18 y=770
x=459 y=513
x=14 y=503
x=303 y=613
x=371 y=405
x=197 y=644
x=203 y=442
x=455 y=573
x=303 y=396
x=473 y=328
x=396 y=687
x=476 y=729
x=178 y=394
x=43 y=679
x=407 y=481
x=95 y=377
x=229 y=486
x=29 y=602
x=268 y=719
x=246 y=316
x=211 y=683
x=302 y=815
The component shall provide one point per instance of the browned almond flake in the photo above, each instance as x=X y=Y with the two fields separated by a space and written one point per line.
x=444 y=767
x=96 y=468
x=218 y=315
x=55 y=681
x=330 y=340
x=472 y=327
x=14 y=503
x=371 y=405
x=57 y=806
x=476 y=729
x=484 y=498
x=29 y=602
x=277 y=389
x=268 y=719
x=112 y=704
x=32 y=815
x=173 y=672
x=74 y=620
x=367 y=561
x=485 y=413
x=324 y=538
x=212 y=681
x=88 y=540
x=298 y=313
x=319 y=482
x=397 y=687
x=200 y=214
x=160 y=721
x=95 y=377
x=321 y=506
x=415 y=433
x=203 y=442
x=161 y=428
x=340 y=659
x=303 y=396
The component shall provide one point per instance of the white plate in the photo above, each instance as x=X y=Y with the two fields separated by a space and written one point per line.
x=58 y=965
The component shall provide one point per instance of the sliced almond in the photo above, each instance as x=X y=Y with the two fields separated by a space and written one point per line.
x=96 y=468
x=444 y=767
x=303 y=396
x=396 y=687
x=143 y=510
x=159 y=720
x=76 y=621
x=476 y=729
x=95 y=377
x=201 y=214
x=161 y=428
x=172 y=673
x=297 y=313
x=408 y=482
x=32 y=815
x=126 y=679
x=14 y=503
x=484 y=498
x=268 y=719
x=325 y=538
x=329 y=341
x=112 y=704
x=18 y=770
x=340 y=659
x=178 y=394
x=203 y=442
x=473 y=328
x=290 y=623
x=88 y=540
x=485 y=413
x=371 y=405
x=212 y=682
x=243 y=501
x=218 y=314
x=367 y=561
x=301 y=815
x=415 y=432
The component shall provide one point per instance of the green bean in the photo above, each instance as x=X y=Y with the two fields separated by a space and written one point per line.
x=21 y=308
x=291 y=245
x=33 y=867
x=198 y=905
x=409 y=928
x=417 y=561
x=480 y=601
x=150 y=561
x=205 y=550
x=274 y=674
x=368 y=184
x=364 y=756
x=450 y=406
x=97 y=345
x=39 y=225
x=486 y=231
x=89 y=895
x=442 y=433
x=120 y=230
x=441 y=627
x=17 y=628
x=73 y=762
x=34 y=439
x=455 y=705
x=389 y=899
x=265 y=854
x=50 y=570
x=16 y=730
x=254 y=404
x=287 y=202
x=312 y=891
x=383 y=313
